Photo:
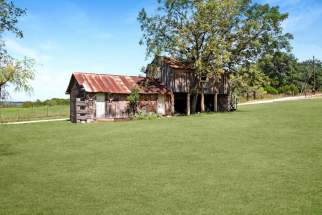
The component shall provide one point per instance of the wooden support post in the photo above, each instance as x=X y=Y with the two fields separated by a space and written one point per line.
x=172 y=103
x=188 y=104
x=216 y=102
x=202 y=102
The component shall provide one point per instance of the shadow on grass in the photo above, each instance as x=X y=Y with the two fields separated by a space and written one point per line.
x=6 y=150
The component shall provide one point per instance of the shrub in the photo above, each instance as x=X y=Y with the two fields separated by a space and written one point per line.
x=133 y=99
x=27 y=104
x=49 y=102
x=271 y=90
x=142 y=114
x=293 y=89
x=289 y=89
x=260 y=92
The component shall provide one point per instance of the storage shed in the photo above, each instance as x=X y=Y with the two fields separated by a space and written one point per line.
x=104 y=96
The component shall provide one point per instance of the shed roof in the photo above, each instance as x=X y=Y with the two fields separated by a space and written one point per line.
x=106 y=83
x=175 y=63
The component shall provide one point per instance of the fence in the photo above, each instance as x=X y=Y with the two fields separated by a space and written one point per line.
x=16 y=114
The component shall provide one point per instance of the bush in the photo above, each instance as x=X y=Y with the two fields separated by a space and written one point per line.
x=294 y=90
x=289 y=89
x=133 y=99
x=27 y=104
x=56 y=101
x=261 y=92
x=271 y=90
x=142 y=114
x=49 y=102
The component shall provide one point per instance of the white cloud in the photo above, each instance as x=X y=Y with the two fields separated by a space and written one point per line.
x=19 y=50
x=48 y=84
x=303 y=19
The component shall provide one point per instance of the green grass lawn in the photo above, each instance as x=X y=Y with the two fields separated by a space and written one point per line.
x=16 y=114
x=263 y=159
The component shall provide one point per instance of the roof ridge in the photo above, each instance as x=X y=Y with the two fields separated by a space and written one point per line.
x=91 y=73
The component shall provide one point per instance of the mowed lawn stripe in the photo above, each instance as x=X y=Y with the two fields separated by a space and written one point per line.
x=262 y=159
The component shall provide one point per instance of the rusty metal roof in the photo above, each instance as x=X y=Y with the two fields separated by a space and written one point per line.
x=105 y=83
x=176 y=64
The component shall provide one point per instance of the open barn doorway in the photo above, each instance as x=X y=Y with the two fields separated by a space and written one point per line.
x=180 y=103
x=209 y=103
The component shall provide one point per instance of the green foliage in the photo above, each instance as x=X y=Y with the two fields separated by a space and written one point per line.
x=305 y=75
x=48 y=102
x=260 y=92
x=289 y=89
x=143 y=115
x=9 y=15
x=213 y=36
x=18 y=73
x=280 y=67
x=133 y=99
x=12 y=71
x=56 y=101
x=247 y=80
x=271 y=90
x=290 y=76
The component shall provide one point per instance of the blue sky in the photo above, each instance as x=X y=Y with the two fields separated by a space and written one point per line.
x=102 y=36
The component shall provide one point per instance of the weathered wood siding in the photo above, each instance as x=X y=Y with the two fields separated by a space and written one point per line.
x=117 y=106
x=73 y=96
x=180 y=80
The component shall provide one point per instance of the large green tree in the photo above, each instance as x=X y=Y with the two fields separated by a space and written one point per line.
x=13 y=71
x=214 y=36
x=309 y=75
x=248 y=80
x=281 y=68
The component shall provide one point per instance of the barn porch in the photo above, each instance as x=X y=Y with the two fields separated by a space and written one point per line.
x=213 y=103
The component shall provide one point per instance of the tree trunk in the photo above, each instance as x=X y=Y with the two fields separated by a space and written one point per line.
x=216 y=102
x=202 y=101
x=194 y=103
x=254 y=95
x=1 y=97
x=247 y=96
x=188 y=104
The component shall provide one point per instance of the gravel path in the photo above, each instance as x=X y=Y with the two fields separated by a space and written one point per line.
x=292 y=98
x=35 y=121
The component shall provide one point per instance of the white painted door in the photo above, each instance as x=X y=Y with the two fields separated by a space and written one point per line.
x=161 y=105
x=100 y=105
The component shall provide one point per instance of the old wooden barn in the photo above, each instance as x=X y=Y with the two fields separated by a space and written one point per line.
x=165 y=90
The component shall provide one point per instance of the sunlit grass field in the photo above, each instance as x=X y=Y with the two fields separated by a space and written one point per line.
x=262 y=159
x=16 y=114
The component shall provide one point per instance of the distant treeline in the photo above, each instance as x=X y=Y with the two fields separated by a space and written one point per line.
x=280 y=73
x=48 y=102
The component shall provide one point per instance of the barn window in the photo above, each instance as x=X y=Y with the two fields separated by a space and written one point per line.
x=116 y=98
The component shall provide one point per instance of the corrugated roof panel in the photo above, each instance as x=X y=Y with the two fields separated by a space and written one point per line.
x=104 y=83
